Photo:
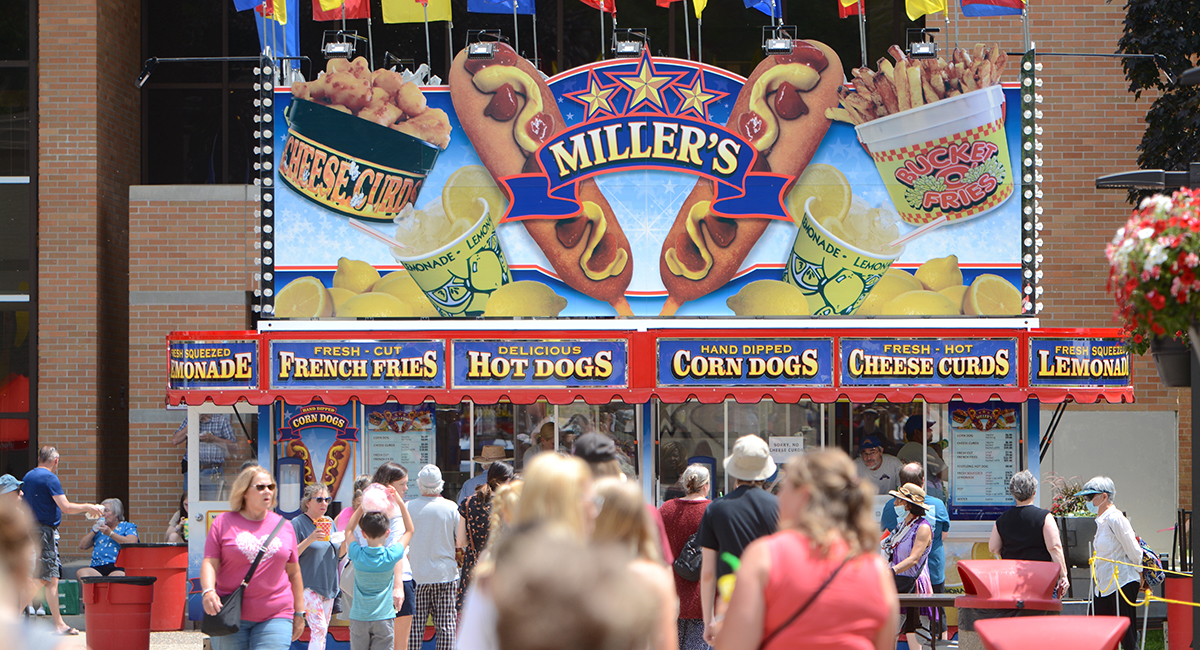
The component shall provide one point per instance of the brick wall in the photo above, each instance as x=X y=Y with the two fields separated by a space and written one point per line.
x=88 y=148
x=191 y=261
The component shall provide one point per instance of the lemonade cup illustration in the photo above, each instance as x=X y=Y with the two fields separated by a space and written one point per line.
x=834 y=275
x=459 y=277
x=945 y=159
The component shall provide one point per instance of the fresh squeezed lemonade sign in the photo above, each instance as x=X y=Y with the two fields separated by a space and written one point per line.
x=642 y=187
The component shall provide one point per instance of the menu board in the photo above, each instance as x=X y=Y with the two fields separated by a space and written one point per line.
x=983 y=453
x=401 y=434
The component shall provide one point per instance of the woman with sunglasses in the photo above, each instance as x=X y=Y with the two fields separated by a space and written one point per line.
x=318 y=562
x=273 y=602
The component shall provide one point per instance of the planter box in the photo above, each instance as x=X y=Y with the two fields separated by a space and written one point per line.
x=1077 y=534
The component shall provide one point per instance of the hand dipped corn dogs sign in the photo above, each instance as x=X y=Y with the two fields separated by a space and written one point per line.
x=650 y=187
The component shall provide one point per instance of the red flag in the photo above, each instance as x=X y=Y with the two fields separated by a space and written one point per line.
x=664 y=3
x=607 y=6
x=355 y=9
x=847 y=11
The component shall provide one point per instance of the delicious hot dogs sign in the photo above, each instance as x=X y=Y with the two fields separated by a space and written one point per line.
x=643 y=186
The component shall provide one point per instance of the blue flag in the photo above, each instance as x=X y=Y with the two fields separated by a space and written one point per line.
x=765 y=7
x=524 y=7
x=242 y=5
x=283 y=39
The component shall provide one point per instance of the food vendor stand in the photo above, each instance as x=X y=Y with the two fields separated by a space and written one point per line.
x=373 y=346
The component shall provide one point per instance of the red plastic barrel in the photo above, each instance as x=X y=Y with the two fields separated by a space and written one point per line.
x=1179 y=617
x=1062 y=632
x=117 y=612
x=168 y=563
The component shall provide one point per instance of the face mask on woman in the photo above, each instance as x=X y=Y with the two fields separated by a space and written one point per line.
x=901 y=511
x=1092 y=507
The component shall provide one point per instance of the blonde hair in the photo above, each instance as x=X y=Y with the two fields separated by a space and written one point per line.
x=839 y=505
x=624 y=519
x=554 y=491
x=241 y=485
x=505 y=503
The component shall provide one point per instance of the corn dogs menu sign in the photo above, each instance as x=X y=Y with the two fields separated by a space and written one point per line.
x=934 y=362
x=650 y=187
x=745 y=362
x=542 y=364
x=357 y=364
x=213 y=364
x=1078 y=362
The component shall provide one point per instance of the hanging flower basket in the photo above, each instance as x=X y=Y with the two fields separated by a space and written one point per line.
x=1154 y=263
x=1173 y=360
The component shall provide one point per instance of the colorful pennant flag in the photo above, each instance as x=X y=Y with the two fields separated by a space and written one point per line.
x=243 y=5
x=917 y=8
x=524 y=7
x=275 y=30
x=978 y=8
x=772 y=8
x=332 y=9
x=848 y=8
x=413 y=11
x=607 y=6
x=698 y=6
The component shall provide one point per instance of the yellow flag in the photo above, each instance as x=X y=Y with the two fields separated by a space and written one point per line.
x=917 y=8
x=275 y=10
x=411 y=11
x=699 y=6
x=848 y=3
x=330 y=5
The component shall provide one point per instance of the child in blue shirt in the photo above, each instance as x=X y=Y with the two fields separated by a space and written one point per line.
x=372 y=613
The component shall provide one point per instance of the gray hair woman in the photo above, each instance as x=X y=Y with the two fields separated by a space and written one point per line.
x=105 y=539
x=318 y=561
x=1115 y=542
x=681 y=518
x=1027 y=532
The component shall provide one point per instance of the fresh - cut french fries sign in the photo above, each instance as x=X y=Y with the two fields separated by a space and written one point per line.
x=651 y=187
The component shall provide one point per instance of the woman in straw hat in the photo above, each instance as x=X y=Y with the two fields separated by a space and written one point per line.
x=907 y=549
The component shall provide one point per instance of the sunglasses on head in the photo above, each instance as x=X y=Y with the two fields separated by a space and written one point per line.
x=265 y=486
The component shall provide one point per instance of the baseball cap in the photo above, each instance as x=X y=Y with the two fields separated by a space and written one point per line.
x=1098 y=485
x=9 y=483
x=430 y=478
x=595 y=447
x=913 y=424
x=869 y=442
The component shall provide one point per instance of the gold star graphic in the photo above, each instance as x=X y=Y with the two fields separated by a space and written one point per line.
x=645 y=86
x=597 y=98
x=694 y=97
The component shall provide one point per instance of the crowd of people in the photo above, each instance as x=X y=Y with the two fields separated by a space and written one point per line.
x=570 y=554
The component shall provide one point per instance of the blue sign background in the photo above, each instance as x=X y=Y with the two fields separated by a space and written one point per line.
x=179 y=352
x=938 y=350
x=531 y=351
x=741 y=349
x=372 y=352
x=1088 y=350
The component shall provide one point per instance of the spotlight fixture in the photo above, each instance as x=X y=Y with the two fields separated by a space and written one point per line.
x=481 y=43
x=1151 y=179
x=338 y=44
x=147 y=70
x=630 y=43
x=778 y=40
x=924 y=46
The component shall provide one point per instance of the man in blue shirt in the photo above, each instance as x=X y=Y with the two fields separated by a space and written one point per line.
x=46 y=499
x=939 y=522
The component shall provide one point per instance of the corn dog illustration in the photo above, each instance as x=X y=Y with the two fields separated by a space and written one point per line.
x=508 y=113
x=781 y=113
x=297 y=449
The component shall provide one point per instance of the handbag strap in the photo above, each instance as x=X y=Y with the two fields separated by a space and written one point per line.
x=262 y=550
x=805 y=605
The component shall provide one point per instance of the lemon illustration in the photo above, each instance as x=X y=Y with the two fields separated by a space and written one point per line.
x=464 y=188
x=955 y=294
x=920 y=303
x=304 y=297
x=526 y=299
x=374 y=305
x=901 y=274
x=354 y=275
x=992 y=295
x=339 y=296
x=940 y=272
x=830 y=187
x=401 y=285
x=886 y=290
x=769 y=298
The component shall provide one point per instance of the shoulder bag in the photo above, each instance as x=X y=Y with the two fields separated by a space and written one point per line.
x=226 y=621
x=805 y=605
x=687 y=564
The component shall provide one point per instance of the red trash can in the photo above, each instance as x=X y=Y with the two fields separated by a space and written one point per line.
x=1003 y=589
x=168 y=563
x=117 y=612
x=1060 y=632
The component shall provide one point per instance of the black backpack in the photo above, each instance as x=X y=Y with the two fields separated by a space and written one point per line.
x=687 y=563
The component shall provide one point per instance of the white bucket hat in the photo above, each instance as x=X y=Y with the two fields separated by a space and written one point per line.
x=751 y=460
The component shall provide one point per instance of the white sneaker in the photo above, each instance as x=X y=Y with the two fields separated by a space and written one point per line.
x=41 y=611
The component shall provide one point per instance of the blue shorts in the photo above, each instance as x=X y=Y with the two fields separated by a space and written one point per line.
x=410 y=595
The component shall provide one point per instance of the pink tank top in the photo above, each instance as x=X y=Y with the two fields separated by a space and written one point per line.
x=848 y=614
